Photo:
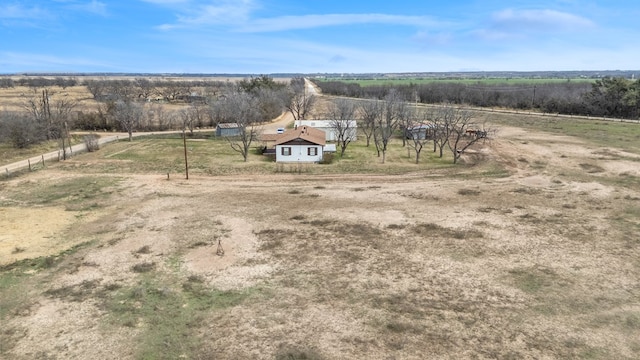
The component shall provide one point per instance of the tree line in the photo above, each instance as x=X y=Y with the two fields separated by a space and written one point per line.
x=137 y=105
x=610 y=96
x=383 y=120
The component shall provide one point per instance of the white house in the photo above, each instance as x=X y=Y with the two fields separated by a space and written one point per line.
x=326 y=125
x=303 y=144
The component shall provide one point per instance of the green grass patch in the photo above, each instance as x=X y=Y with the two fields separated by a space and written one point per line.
x=168 y=316
x=16 y=279
x=12 y=285
x=209 y=155
x=435 y=230
x=607 y=134
x=9 y=154
x=75 y=193
x=533 y=280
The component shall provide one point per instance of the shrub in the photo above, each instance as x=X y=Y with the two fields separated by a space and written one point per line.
x=91 y=142
x=327 y=158
x=143 y=267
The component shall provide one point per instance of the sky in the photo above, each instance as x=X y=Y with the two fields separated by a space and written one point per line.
x=317 y=36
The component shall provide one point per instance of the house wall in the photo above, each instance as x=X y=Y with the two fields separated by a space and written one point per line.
x=298 y=153
x=227 y=132
x=330 y=134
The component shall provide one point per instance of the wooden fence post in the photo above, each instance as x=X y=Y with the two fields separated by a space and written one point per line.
x=29 y=161
x=42 y=160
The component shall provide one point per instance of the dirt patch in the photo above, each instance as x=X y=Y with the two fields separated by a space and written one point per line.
x=33 y=232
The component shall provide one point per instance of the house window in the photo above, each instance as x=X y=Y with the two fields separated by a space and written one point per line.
x=312 y=151
x=286 y=150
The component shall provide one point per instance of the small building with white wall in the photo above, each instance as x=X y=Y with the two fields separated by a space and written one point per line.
x=303 y=144
x=329 y=130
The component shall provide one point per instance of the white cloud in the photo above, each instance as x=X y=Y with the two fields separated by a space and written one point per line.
x=519 y=24
x=284 y=23
x=220 y=12
x=430 y=38
x=539 y=20
x=21 y=12
x=165 y=2
x=94 y=6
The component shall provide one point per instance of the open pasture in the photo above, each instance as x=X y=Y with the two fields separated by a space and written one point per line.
x=529 y=249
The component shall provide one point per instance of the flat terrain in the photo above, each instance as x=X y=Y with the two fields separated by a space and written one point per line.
x=528 y=250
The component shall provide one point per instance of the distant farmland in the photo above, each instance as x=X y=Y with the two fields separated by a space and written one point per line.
x=463 y=81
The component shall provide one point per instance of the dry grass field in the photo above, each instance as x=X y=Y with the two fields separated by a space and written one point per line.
x=530 y=249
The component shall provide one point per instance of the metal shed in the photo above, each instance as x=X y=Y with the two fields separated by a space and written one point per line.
x=228 y=129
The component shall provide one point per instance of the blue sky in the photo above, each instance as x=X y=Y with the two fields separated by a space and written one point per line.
x=308 y=36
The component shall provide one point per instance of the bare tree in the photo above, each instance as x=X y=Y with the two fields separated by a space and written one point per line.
x=369 y=111
x=97 y=88
x=341 y=113
x=269 y=102
x=394 y=110
x=297 y=101
x=53 y=117
x=418 y=132
x=240 y=107
x=144 y=87
x=437 y=117
x=39 y=108
x=190 y=117
x=20 y=130
x=128 y=115
x=124 y=90
x=463 y=132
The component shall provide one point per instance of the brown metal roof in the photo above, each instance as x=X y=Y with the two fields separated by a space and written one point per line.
x=306 y=133
x=269 y=137
x=228 y=125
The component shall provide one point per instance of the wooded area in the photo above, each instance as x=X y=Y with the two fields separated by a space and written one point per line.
x=610 y=96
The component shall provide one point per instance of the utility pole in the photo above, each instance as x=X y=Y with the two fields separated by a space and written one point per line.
x=186 y=162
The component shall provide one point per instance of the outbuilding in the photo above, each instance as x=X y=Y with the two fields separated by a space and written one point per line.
x=228 y=129
x=422 y=131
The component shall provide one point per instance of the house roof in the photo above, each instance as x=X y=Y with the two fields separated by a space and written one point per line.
x=269 y=137
x=306 y=133
x=428 y=125
x=228 y=125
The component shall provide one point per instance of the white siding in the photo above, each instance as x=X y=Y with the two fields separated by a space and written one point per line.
x=325 y=125
x=299 y=153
